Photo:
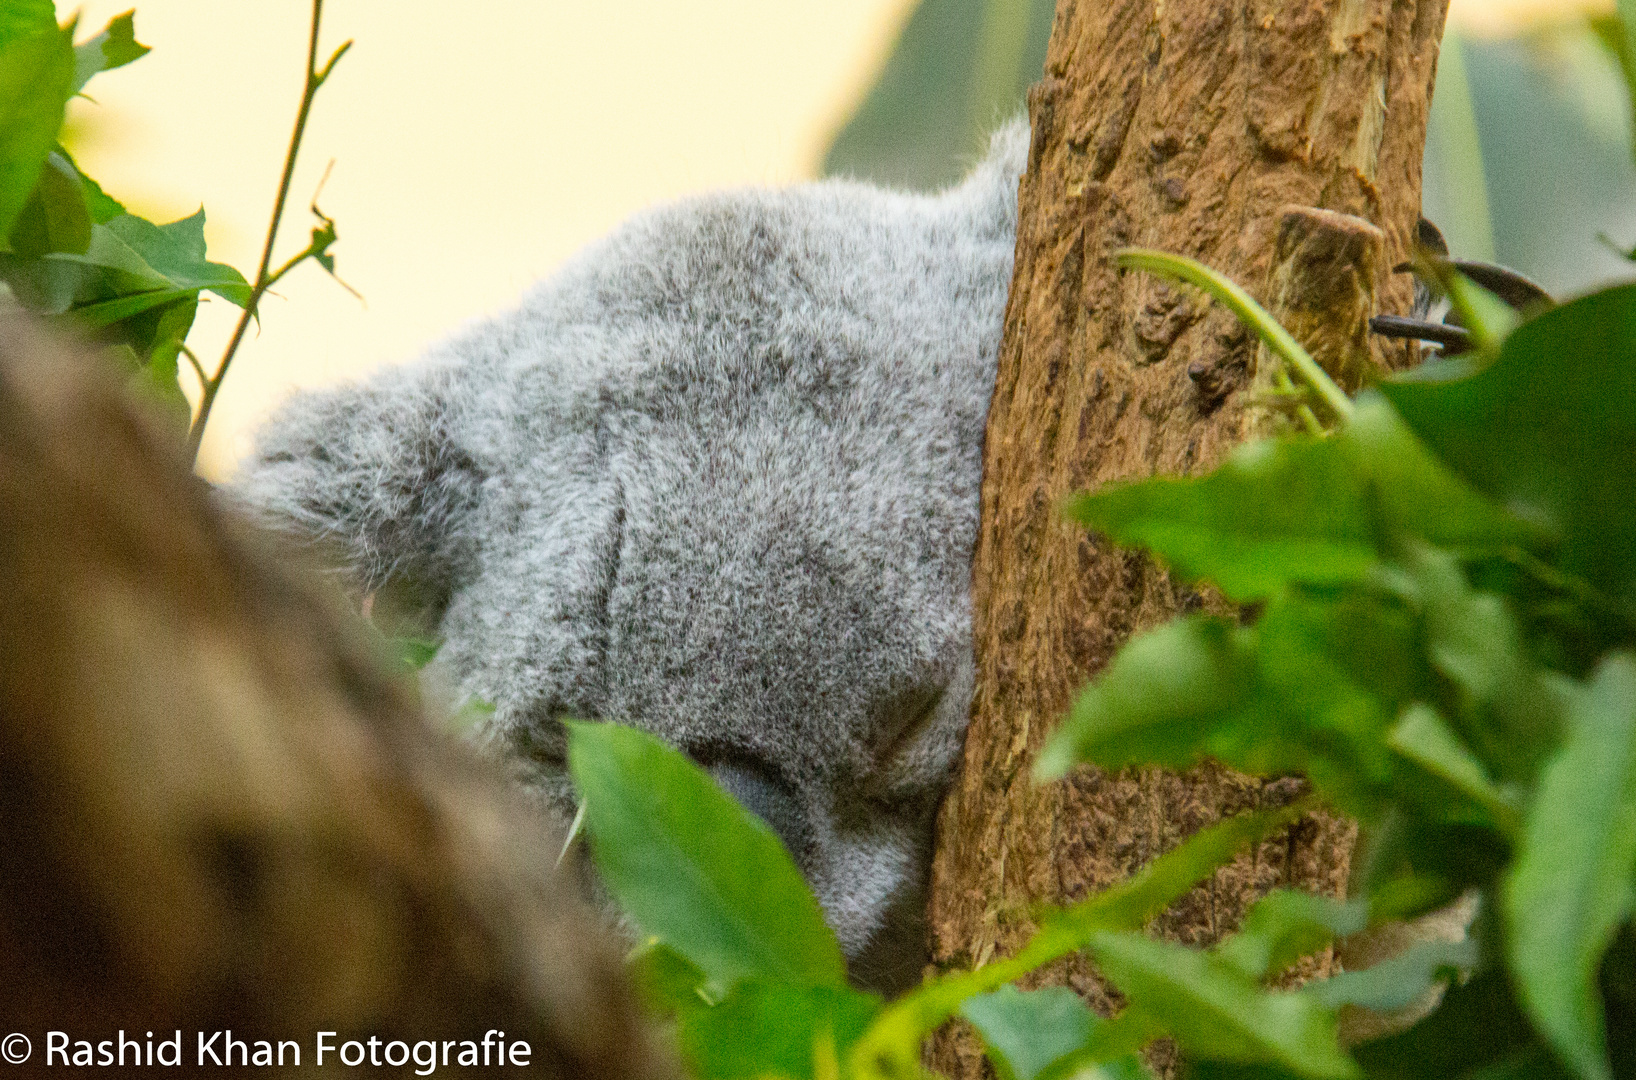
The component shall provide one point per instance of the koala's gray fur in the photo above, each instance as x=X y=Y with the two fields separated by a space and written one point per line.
x=716 y=478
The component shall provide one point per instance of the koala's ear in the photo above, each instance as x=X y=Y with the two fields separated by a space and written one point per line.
x=375 y=473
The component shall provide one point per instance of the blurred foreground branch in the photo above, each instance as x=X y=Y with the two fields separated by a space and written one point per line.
x=215 y=810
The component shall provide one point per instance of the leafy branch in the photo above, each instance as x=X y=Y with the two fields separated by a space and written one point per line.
x=72 y=254
x=317 y=249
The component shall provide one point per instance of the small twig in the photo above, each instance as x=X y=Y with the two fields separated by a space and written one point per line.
x=315 y=79
x=318 y=248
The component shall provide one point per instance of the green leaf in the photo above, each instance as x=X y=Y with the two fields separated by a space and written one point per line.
x=1490 y=319
x=25 y=18
x=1025 y=1031
x=1400 y=981
x=1213 y=1010
x=129 y=271
x=130 y=267
x=153 y=324
x=1312 y=687
x=416 y=652
x=1423 y=738
x=49 y=286
x=668 y=983
x=103 y=206
x=1547 y=429
x=1614 y=31
x=1503 y=705
x=1627 y=16
x=55 y=218
x=1425 y=852
x=1232 y=1070
x=1398 y=896
x=695 y=868
x=35 y=75
x=115 y=47
x=1304 y=511
x=958 y=69
x=1284 y=926
x=1625 y=51
x=1160 y=699
x=170 y=329
x=123 y=358
x=109 y=312
x=772 y=1029
x=177 y=251
x=1570 y=885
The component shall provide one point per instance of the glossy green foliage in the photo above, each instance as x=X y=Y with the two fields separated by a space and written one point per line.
x=1284 y=926
x=1574 y=877
x=1214 y=1010
x=776 y=1029
x=1442 y=647
x=1568 y=465
x=115 y=47
x=669 y=983
x=69 y=250
x=1031 y=1035
x=1303 y=511
x=1438 y=644
x=1434 y=645
x=693 y=867
x=36 y=80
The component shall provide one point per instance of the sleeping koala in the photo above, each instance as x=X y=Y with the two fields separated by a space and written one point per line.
x=717 y=478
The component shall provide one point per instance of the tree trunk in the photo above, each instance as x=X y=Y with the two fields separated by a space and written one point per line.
x=1213 y=130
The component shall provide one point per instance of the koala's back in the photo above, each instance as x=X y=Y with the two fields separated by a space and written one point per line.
x=717 y=478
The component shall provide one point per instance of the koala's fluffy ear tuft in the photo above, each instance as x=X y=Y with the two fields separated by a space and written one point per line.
x=376 y=474
x=988 y=194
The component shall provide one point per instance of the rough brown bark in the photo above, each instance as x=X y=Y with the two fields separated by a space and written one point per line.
x=217 y=811
x=1211 y=129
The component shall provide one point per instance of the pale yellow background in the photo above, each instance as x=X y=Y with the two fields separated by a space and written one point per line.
x=475 y=145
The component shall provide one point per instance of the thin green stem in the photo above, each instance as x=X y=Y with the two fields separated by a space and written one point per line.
x=289 y=264
x=1309 y=419
x=198 y=368
x=890 y=1049
x=315 y=79
x=1280 y=341
x=1576 y=587
x=1489 y=319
